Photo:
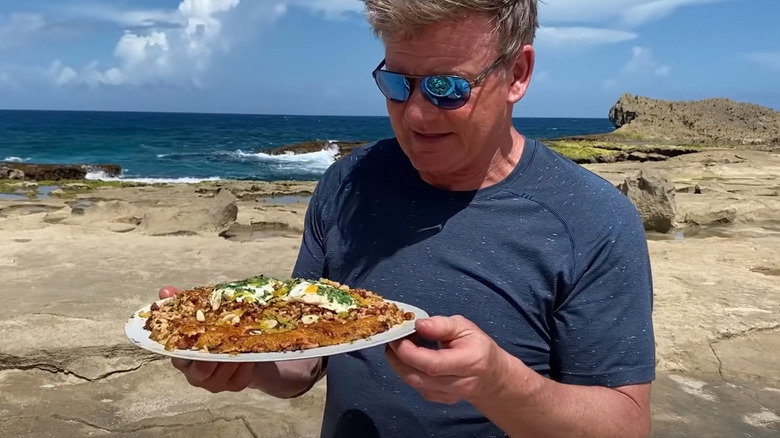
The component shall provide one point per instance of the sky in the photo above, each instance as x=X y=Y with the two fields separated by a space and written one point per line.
x=316 y=56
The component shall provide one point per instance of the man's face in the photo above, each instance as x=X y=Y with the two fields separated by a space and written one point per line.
x=439 y=142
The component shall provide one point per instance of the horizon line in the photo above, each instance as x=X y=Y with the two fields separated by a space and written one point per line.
x=252 y=114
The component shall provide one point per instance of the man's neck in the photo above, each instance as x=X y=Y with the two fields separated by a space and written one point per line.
x=495 y=168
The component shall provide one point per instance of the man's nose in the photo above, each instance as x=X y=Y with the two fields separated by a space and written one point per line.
x=419 y=108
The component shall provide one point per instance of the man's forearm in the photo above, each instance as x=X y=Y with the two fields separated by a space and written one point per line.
x=529 y=405
x=288 y=379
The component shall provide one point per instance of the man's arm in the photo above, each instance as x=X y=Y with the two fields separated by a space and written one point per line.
x=530 y=405
x=294 y=378
x=289 y=379
x=602 y=352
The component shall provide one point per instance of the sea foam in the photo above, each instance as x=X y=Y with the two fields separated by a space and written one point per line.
x=307 y=162
x=102 y=176
x=15 y=159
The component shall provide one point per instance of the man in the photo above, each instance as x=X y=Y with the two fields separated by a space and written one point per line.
x=535 y=270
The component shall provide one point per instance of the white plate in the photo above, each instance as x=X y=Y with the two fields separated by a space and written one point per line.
x=134 y=329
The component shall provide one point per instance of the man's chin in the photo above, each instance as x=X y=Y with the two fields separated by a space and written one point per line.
x=434 y=164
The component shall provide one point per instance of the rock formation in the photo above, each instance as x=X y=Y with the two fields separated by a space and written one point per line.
x=715 y=121
x=653 y=196
x=344 y=147
x=54 y=172
x=210 y=216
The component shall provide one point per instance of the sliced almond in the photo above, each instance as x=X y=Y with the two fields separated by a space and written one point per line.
x=200 y=316
x=215 y=300
x=268 y=324
x=309 y=319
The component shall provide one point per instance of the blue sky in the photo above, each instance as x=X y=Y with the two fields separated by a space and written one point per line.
x=315 y=56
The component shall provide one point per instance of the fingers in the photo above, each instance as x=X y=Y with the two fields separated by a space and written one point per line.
x=167 y=292
x=242 y=378
x=440 y=328
x=215 y=376
x=443 y=362
x=180 y=364
x=202 y=371
x=417 y=379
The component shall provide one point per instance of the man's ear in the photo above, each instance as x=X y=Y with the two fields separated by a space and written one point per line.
x=521 y=73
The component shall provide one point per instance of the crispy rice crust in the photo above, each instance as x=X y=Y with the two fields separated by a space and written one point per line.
x=243 y=327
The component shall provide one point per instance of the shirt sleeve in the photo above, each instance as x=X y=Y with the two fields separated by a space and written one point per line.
x=310 y=263
x=311 y=256
x=602 y=333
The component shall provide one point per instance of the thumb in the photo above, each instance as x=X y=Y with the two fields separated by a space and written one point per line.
x=167 y=292
x=441 y=328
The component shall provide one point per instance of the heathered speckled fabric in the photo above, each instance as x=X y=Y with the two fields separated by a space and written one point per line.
x=552 y=263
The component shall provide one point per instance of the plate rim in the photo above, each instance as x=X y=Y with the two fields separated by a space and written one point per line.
x=134 y=326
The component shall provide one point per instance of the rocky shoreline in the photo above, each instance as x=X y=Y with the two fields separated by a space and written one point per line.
x=716 y=284
x=79 y=256
x=646 y=130
x=54 y=172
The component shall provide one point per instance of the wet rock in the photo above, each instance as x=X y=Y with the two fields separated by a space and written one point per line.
x=55 y=172
x=344 y=148
x=653 y=196
x=75 y=186
x=9 y=173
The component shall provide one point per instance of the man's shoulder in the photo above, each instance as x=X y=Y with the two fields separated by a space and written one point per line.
x=580 y=197
x=371 y=159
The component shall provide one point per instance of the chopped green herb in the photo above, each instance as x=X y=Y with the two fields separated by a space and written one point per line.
x=337 y=295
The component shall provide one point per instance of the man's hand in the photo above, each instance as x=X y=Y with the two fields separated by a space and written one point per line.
x=284 y=380
x=219 y=377
x=467 y=366
x=215 y=376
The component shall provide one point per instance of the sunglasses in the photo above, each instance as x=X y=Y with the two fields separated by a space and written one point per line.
x=447 y=92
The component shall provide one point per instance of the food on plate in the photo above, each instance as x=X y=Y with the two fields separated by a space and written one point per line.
x=263 y=314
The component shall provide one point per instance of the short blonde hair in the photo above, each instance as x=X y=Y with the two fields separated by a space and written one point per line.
x=515 y=21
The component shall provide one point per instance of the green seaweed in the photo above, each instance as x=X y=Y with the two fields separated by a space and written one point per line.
x=15 y=186
x=584 y=151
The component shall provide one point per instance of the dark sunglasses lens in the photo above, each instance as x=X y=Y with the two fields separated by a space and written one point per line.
x=394 y=86
x=447 y=92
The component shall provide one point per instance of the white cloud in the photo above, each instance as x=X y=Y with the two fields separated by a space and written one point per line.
x=630 y=15
x=175 y=54
x=330 y=8
x=644 y=61
x=574 y=23
x=18 y=28
x=769 y=60
x=580 y=36
x=642 y=65
x=656 y=9
x=102 y=12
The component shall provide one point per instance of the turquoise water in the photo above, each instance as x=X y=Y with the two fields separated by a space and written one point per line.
x=189 y=147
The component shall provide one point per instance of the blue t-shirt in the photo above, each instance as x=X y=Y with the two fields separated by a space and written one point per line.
x=552 y=263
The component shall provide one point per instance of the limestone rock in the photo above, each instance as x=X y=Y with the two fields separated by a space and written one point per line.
x=722 y=217
x=714 y=121
x=55 y=172
x=9 y=173
x=209 y=216
x=341 y=148
x=653 y=196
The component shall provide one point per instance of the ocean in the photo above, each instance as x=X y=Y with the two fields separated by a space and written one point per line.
x=165 y=147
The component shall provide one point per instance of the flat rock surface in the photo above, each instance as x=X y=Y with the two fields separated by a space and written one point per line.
x=72 y=276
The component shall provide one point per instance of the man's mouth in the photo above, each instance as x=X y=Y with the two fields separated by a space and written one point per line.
x=423 y=136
